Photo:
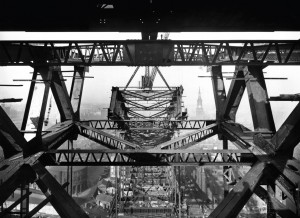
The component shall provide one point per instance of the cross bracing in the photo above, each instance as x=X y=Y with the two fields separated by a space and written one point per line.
x=267 y=151
x=164 y=52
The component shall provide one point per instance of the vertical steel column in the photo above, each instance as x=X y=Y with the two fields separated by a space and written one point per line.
x=63 y=203
x=24 y=205
x=76 y=89
x=225 y=168
x=175 y=186
x=219 y=93
x=2 y=207
x=235 y=94
x=122 y=181
x=24 y=174
x=116 y=192
x=179 y=189
x=60 y=94
x=270 y=209
x=258 y=99
x=29 y=99
x=47 y=72
x=71 y=169
x=297 y=198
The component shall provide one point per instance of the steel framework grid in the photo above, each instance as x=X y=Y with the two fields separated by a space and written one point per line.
x=267 y=147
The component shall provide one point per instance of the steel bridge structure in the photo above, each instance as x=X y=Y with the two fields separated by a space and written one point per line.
x=267 y=151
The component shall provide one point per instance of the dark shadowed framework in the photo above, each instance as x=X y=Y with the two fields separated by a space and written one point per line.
x=267 y=151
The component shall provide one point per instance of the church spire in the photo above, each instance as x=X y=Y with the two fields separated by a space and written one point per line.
x=199 y=100
x=199 y=109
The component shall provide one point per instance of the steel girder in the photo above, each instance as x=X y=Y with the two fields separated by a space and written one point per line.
x=16 y=173
x=163 y=52
x=151 y=95
x=189 y=139
x=280 y=208
x=16 y=167
x=259 y=146
x=219 y=90
x=219 y=93
x=23 y=169
x=285 y=178
x=285 y=97
x=52 y=139
x=259 y=142
x=64 y=204
x=153 y=124
x=151 y=157
x=52 y=78
x=135 y=100
x=59 y=91
x=287 y=137
x=77 y=88
x=117 y=109
x=104 y=138
x=235 y=94
x=258 y=99
x=240 y=194
x=11 y=140
x=143 y=108
x=113 y=142
x=43 y=203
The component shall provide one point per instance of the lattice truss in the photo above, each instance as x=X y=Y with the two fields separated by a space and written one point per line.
x=267 y=151
x=156 y=53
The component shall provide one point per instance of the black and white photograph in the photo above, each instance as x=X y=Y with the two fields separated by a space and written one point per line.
x=149 y=109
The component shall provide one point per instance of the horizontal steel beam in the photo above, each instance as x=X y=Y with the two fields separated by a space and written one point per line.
x=190 y=138
x=147 y=109
x=136 y=124
x=150 y=53
x=285 y=97
x=151 y=157
x=149 y=95
x=104 y=138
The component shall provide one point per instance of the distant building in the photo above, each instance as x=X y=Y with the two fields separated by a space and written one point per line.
x=105 y=201
x=79 y=183
x=199 y=109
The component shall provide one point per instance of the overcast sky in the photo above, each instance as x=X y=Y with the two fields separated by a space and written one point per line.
x=98 y=90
